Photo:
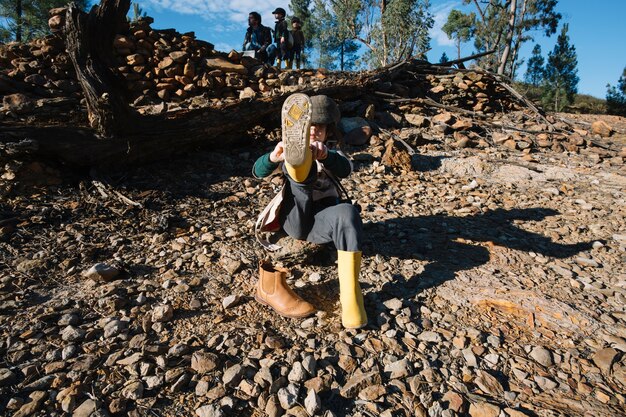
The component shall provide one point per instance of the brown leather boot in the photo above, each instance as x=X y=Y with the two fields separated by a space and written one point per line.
x=272 y=290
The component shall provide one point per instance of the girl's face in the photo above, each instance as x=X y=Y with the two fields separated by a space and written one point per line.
x=318 y=132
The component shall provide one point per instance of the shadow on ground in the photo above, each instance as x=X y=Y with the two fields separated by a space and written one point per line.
x=442 y=241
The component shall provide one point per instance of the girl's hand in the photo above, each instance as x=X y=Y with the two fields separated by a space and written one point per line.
x=319 y=151
x=277 y=154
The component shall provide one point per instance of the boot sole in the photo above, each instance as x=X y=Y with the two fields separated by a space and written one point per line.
x=296 y=122
x=290 y=316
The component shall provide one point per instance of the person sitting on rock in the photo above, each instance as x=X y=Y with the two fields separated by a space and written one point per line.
x=298 y=43
x=309 y=206
x=280 y=48
x=258 y=37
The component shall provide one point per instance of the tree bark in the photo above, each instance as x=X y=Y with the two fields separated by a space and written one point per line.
x=509 y=38
x=518 y=40
x=89 y=40
x=18 y=21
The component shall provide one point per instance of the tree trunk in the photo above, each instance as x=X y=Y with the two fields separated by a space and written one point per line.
x=342 y=51
x=89 y=40
x=509 y=38
x=518 y=40
x=18 y=21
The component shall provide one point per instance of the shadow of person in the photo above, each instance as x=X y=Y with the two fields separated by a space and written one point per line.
x=446 y=244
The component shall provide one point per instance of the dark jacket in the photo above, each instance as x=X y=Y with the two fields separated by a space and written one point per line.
x=280 y=30
x=266 y=35
x=298 y=38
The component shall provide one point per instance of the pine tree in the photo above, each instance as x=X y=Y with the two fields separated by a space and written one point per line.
x=28 y=19
x=460 y=28
x=616 y=97
x=561 y=79
x=444 y=58
x=534 y=70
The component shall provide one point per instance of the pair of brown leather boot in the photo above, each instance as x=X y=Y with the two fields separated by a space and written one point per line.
x=272 y=290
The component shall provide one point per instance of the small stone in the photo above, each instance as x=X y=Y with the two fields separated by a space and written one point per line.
x=602 y=128
x=372 y=393
x=31 y=407
x=605 y=358
x=202 y=387
x=297 y=374
x=114 y=327
x=232 y=376
x=162 y=313
x=310 y=364
x=454 y=400
x=230 y=301
x=393 y=304
x=178 y=350
x=204 y=362
x=483 y=409
x=101 y=272
x=399 y=369
x=358 y=381
x=515 y=413
x=273 y=408
x=7 y=377
x=86 y=409
x=72 y=334
x=470 y=358
x=133 y=390
x=312 y=403
x=288 y=396
x=181 y=383
x=542 y=356
x=545 y=383
x=209 y=411
x=15 y=403
x=428 y=336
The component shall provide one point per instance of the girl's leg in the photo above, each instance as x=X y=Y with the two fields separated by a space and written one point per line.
x=342 y=225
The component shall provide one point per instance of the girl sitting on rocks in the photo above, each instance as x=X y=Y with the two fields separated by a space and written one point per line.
x=309 y=208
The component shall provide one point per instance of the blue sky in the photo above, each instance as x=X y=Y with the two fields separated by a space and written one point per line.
x=596 y=29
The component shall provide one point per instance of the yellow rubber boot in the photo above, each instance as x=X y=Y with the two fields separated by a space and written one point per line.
x=289 y=64
x=353 y=314
x=278 y=63
x=301 y=172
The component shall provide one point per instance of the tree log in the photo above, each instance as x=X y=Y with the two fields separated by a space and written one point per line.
x=89 y=42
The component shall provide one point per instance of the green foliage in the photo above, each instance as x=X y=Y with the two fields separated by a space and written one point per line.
x=23 y=20
x=444 y=58
x=459 y=27
x=561 y=79
x=335 y=48
x=401 y=32
x=616 y=96
x=534 y=70
x=583 y=103
x=491 y=28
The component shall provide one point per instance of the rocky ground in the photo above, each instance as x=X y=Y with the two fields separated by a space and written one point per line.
x=494 y=283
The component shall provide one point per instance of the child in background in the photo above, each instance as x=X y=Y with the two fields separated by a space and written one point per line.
x=298 y=43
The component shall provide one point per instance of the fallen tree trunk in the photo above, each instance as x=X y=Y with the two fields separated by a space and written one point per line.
x=158 y=137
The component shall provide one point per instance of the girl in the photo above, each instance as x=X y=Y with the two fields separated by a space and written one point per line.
x=309 y=204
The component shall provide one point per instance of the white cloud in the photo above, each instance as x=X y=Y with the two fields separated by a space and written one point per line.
x=216 y=10
x=226 y=47
x=441 y=13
